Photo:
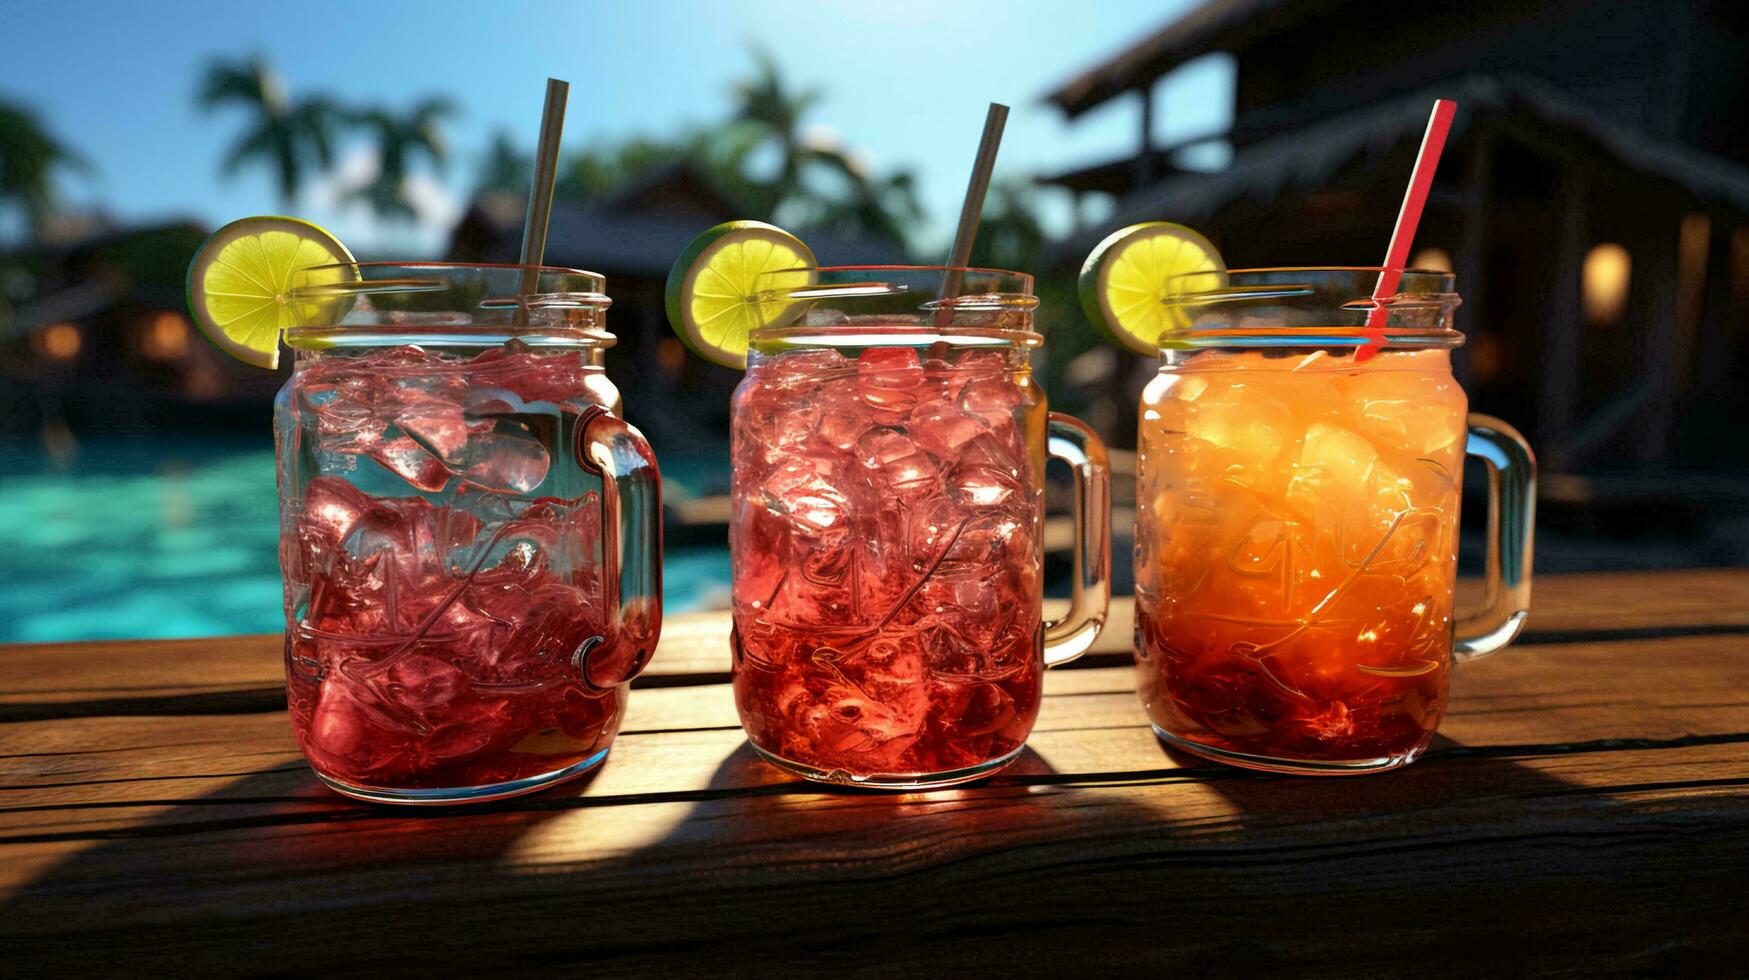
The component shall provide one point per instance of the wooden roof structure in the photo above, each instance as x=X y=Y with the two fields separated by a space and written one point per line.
x=1214 y=26
x=1516 y=104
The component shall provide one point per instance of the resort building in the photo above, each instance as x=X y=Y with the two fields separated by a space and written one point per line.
x=1593 y=199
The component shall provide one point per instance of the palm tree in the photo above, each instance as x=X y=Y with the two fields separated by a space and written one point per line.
x=288 y=136
x=400 y=140
x=590 y=173
x=505 y=168
x=769 y=113
x=1010 y=234
x=885 y=207
x=29 y=158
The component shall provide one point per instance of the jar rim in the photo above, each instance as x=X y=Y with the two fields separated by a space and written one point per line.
x=1025 y=280
x=457 y=266
x=462 y=304
x=1313 y=306
x=894 y=306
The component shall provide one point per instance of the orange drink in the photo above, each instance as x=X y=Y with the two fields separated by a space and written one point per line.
x=1297 y=514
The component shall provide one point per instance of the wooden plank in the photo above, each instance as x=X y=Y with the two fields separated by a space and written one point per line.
x=1572 y=785
x=676 y=739
x=1576 y=692
x=1544 y=864
x=227 y=674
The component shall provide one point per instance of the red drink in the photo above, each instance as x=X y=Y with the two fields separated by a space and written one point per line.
x=886 y=551
x=430 y=644
x=457 y=622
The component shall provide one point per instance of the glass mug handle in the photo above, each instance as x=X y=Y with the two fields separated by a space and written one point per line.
x=631 y=547
x=1070 y=440
x=1511 y=534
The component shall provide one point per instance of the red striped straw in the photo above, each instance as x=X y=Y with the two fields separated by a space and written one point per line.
x=1414 y=202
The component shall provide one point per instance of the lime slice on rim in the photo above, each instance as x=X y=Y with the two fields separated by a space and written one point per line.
x=712 y=295
x=241 y=283
x=1129 y=278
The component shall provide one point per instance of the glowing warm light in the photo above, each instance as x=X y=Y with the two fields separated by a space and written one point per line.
x=1435 y=259
x=164 y=336
x=1603 y=283
x=1487 y=355
x=1694 y=245
x=670 y=355
x=203 y=381
x=61 y=341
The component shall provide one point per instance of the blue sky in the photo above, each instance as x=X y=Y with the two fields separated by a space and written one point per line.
x=905 y=83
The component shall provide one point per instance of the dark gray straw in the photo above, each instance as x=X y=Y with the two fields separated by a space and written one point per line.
x=970 y=211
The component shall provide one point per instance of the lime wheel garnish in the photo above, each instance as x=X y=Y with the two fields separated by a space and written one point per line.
x=1130 y=279
x=244 y=283
x=721 y=288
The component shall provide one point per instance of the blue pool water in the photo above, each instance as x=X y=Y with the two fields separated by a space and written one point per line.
x=171 y=537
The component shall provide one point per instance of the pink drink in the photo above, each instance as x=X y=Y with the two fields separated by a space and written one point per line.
x=439 y=544
x=886 y=549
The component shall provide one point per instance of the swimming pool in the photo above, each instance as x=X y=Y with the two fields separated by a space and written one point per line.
x=167 y=537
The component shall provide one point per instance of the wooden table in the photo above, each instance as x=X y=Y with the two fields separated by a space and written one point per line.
x=1584 y=811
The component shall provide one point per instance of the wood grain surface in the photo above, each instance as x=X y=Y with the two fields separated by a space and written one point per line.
x=1584 y=811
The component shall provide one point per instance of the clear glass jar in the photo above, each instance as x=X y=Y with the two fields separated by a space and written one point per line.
x=1297 y=519
x=470 y=537
x=889 y=450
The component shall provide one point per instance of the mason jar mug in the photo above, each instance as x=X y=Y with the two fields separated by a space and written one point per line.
x=469 y=534
x=1297 y=522
x=889 y=447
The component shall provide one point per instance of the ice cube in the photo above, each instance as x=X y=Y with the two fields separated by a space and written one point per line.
x=879 y=446
x=803 y=368
x=332 y=507
x=438 y=428
x=508 y=459
x=409 y=461
x=794 y=425
x=1003 y=449
x=758 y=542
x=932 y=527
x=468 y=729
x=424 y=684
x=976 y=485
x=946 y=430
x=841 y=429
x=1331 y=470
x=898 y=466
x=891 y=367
x=533 y=374
x=349 y=734
x=797 y=492
x=1246 y=423
x=345 y=420
x=976 y=709
x=982 y=363
x=889 y=380
x=886 y=704
x=552 y=622
x=992 y=399
x=1400 y=521
x=1418 y=414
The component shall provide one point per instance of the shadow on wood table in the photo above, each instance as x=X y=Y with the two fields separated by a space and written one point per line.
x=273 y=871
x=1583 y=815
x=1030 y=872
